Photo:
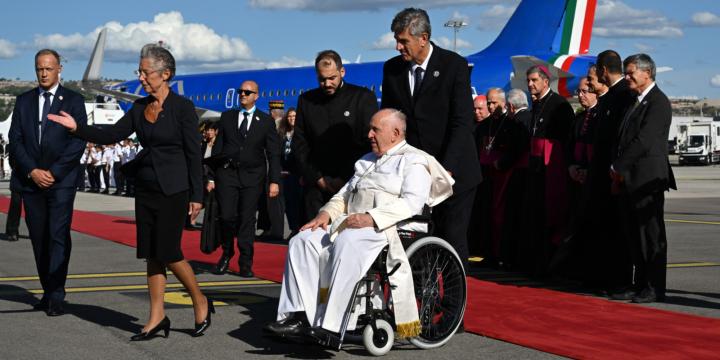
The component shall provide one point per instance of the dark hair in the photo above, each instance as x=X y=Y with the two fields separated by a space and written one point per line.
x=415 y=20
x=610 y=60
x=48 y=52
x=161 y=57
x=326 y=56
x=642 y=62
x=284 y=126
x=542 y=70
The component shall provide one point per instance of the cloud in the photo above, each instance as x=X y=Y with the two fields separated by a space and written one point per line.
x=447 y=43
x=367 y=5
x=615 y=19
x=706 y=18
x=662 y=69
x=7 y=49
x=644 y=47
x=190 y=43
x=385 y=41
x=715 y=81
x=495 y=17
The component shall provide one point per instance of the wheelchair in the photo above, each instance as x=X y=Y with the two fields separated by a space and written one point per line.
x=440 y=293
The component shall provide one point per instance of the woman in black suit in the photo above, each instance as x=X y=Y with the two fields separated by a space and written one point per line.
x=168 y=182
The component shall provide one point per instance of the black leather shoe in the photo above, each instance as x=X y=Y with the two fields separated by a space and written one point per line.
x=222 y=265
x=246 y=272
x=201 y=327
x=41 y=305
x=623 y=295
x=647 y=295
x=55 y=308
x=285 y=328
x=164 y=325
x=12 y=237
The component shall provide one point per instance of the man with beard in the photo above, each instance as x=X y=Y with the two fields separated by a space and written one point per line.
x=330 y=131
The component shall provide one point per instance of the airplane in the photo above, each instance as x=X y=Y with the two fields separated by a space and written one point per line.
x=555 y=33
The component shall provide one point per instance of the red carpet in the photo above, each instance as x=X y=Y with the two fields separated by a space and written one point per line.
x=555 y=322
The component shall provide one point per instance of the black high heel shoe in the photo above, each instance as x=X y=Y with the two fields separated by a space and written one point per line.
x=201 y=327
x=164 y=325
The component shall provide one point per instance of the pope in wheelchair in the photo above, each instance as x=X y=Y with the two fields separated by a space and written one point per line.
x=335 y=250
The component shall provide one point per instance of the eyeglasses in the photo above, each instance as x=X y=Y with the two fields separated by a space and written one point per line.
x=247 y=92
x=582 y=91
x=144 y=73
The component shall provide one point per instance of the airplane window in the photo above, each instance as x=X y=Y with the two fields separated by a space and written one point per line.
x=285 y=93
x=292 y=92
x=218 y=96
x=262 y=94
x=204 y=98
x=211 y=97
x=372 y=88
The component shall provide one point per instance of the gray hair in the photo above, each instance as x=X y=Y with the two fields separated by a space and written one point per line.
x=396 y=115
x=161 y=58
x=517 y=98
x=642 y=62
x=415 y=20
x=500 y=91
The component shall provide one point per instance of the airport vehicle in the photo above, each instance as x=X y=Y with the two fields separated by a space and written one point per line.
x=559 y=38
x=699 y=142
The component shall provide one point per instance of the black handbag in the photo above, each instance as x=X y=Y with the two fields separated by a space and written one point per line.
x=210 y=238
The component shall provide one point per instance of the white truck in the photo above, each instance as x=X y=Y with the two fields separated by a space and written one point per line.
x=698 y=142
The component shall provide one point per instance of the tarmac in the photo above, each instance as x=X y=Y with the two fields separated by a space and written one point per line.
x=107 y=296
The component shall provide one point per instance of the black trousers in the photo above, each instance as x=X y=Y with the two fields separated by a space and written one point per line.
x=13 y=220
x=644 y=227
x=119 y=178
x=238 y=204
x=452 y=218
x=314 y=199
x=48 y=217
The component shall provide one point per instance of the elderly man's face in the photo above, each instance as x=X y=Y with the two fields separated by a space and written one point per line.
x=383 y=133
x=411 y=47
x=586 y=97
x=496 y=103
x=638 y=80
x=481 y=108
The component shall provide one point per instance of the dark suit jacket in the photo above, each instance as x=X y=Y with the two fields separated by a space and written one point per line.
x=59 y=151
x=440 y=118
x=174 y=145
x=261 y=147
x=642 y=154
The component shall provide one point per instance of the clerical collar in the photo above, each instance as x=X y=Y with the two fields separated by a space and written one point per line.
x=544 y=95
x=394 y=149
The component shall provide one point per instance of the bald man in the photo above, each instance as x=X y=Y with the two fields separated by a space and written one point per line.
x=335 y=249
x=248 y=142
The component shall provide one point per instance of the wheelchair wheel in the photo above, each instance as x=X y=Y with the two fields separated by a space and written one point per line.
x=440 y=290
x=378 y=342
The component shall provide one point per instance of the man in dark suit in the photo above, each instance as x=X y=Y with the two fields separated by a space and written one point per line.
x=248 y=142
x=46 y=166
x=615 y=269
x=432 y=87
x=641 y=174
x=331 y=130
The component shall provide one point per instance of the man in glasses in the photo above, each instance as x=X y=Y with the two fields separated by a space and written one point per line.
x=248 y=142
x=331 y=128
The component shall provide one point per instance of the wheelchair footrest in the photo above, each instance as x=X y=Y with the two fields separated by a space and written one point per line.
x=324 y=338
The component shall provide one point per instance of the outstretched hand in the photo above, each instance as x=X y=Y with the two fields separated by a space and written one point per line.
x=64 y=119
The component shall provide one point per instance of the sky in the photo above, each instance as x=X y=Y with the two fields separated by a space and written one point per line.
x=205 y=36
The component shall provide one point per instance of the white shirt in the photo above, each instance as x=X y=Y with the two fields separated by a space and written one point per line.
x=117 y=153
x=411 y=73
x=644 y=93
x=107 y=156
x=41 y=103
x=241 y=116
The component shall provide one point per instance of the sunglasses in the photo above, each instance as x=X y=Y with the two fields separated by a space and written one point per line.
x=246 y=92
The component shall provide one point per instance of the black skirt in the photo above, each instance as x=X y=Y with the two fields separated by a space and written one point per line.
x=160 y=220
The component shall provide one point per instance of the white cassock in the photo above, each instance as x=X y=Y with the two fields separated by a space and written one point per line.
x=323 y=267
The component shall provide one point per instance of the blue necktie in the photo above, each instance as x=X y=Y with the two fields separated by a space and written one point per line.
x=45 y=112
